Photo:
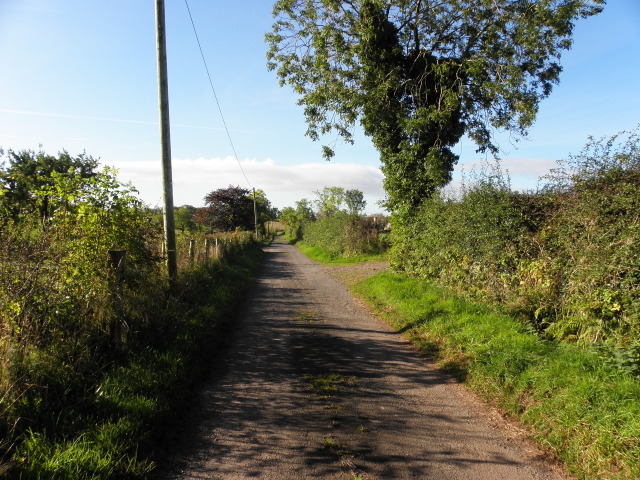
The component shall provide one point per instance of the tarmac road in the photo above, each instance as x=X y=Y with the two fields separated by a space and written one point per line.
x=386 y=412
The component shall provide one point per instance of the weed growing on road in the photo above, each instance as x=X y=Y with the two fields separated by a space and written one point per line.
x=304 y=317
x=334 y=446
x=328 y=385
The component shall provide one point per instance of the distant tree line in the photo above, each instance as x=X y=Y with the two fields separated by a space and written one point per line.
x=337 y=223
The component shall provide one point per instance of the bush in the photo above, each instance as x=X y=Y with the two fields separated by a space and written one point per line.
x=343 y=234
x=565 y=258
x=65 y=312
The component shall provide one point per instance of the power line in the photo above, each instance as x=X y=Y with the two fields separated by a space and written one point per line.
x=214 y=94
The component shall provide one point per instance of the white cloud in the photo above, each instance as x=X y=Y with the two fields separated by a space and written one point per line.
x=283 y=184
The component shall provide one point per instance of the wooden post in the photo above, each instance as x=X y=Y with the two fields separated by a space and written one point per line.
x=167 y=182
x=206 y=249
x=255 y=213
x=118 y=260
x=192 y=250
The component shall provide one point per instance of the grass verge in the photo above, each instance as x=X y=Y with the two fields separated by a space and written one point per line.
x=127 y=416
x=324 y=256
x=584 y=412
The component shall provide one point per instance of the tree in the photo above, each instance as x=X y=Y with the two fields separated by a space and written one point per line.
x=354 y=199
x=227 y=209
x=419 y=74
x=265 y=210
x=304 y=210
x=230 y=208
x=288 y=216
x=184 y=218
x=296 y=218
x=329 y=200
x=27 y=174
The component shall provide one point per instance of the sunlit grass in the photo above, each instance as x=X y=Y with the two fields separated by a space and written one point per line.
x=585 y=412
x=326 y=257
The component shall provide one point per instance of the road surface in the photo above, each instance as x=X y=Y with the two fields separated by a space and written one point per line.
x=311 y=385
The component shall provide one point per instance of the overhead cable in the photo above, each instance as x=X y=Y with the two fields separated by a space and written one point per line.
x=214 y=93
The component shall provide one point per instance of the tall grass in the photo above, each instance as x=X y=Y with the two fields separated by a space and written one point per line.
x=329 y=257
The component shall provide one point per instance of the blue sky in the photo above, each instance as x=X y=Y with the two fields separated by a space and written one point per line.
x=81 y=75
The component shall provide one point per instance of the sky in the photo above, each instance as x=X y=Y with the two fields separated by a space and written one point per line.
x=80 y=75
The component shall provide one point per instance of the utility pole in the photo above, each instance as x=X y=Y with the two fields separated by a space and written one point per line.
x=167 y=182
x=255 y=212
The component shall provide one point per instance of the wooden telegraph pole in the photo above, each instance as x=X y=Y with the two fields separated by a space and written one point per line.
x=255 y=213
x=167 y=182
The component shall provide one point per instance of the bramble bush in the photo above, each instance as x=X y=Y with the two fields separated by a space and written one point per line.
x=64 y=315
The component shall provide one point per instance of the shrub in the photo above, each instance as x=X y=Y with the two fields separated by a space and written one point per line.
x=64 y=312
x=343 y=234
x=565 y=258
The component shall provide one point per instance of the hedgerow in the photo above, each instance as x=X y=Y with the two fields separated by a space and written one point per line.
x=565 y=258
x=96 y=352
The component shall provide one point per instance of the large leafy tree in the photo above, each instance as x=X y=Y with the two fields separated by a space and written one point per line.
x=354 y=199
x=26 y=175
x=230 y=208
x=304 y=210
x=419 y=74
x=329 y=200
x=184 y=218
x=264 y=209
x=227 y=209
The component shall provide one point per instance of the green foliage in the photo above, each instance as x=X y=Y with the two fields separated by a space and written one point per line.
x=566 y=258
x=584 y=411
x=354 y=201
x=266 y=212
x=28 y=175
x=184 y=218
x=345 y=235
x=64 y=313
x=338 y=229
x=322 y=255
x=419 y=76
x=93 y=358
x=329 y=200
x=295 y=219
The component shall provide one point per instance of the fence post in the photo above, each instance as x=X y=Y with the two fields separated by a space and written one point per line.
x=206 y=249
x=118 y=260
x=192 y=250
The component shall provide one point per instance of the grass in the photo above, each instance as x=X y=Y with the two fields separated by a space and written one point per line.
x=304 y=317
x=582 y=411
x=128 y=415
x=324 y=256
x=336 y=447
x=327 y=385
